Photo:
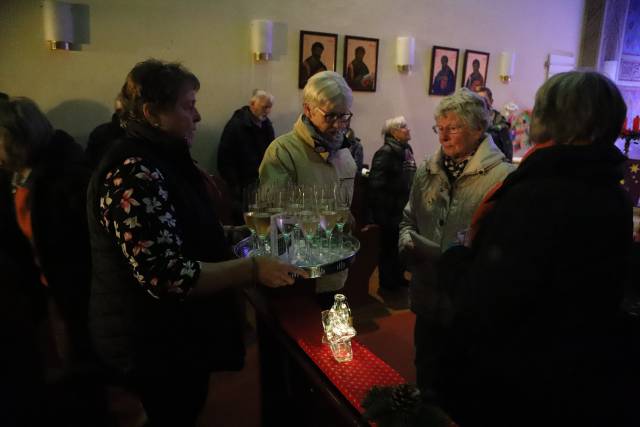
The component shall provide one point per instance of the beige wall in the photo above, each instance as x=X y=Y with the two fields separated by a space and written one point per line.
x=211 y=37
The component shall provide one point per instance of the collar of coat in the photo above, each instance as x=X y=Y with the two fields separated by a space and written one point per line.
x=397 y=146
x=487 y=156
x=248 y=118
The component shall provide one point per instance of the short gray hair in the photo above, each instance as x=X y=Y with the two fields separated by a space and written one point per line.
x=468 y=106
x=259 y=94
x=26 y=130
x=578 y=106
x=394 y=123
x=327 y=87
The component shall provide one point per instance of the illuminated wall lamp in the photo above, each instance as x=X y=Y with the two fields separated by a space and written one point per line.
x=405 y=53
x=261 y=39
x=506 y=66
x=58 y=25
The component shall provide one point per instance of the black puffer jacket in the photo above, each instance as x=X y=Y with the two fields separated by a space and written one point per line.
x=390 y=181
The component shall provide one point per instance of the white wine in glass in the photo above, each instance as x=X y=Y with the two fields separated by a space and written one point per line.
x=262 y=223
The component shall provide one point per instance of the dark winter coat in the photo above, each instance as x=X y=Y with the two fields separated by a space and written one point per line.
x=500 y=131
x=537 y=336
x=101 y=138
x=242 y=146
x=390 y=181
x=57 y=199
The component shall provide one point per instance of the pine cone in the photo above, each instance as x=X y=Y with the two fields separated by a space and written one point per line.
x=405 y=398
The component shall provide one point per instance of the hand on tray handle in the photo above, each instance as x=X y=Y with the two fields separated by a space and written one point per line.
x=273 y=272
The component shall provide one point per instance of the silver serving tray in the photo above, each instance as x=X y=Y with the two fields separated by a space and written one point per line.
x=242 y=249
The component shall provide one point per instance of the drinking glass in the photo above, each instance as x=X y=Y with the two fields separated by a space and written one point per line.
x=249 y=206
x=343 y=209
x=328 y=219
x=286 y=224
x=308 y=221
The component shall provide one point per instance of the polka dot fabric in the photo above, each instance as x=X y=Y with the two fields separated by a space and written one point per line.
x=355 y=378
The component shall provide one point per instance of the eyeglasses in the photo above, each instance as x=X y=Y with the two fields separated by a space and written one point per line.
x=451 y=130
x=331 y=117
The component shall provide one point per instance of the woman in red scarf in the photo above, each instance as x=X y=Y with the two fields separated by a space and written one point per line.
x=537 y=328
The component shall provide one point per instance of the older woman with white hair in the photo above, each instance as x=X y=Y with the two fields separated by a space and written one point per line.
x=446 y=191
x=313 y=152
x=392 y=171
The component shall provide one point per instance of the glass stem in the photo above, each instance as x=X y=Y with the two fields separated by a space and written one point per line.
x=286 y=246
x=340 y=228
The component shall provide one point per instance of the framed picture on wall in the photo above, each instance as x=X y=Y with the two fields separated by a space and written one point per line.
x=318 y=52
x=444 y=66
x=474 y=70
x=361 y=63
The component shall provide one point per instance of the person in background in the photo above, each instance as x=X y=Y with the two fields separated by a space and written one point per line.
x=392 y=171
x=538 y=336
x=314 y=151
x=499 y=127
x=164 y=308
x=103 y=135
x=49 y=175
x=244 y=140
x=446 y=191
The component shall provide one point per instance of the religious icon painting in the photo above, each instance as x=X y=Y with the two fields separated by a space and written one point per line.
x=361 y=63
x=474 y=69
x=444 y=66
x=318 y=52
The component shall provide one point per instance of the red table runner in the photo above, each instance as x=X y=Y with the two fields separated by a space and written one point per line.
x=355 y=378
x=300 y=319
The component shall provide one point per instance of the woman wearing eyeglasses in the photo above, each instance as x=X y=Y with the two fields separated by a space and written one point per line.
x=313 y=152
x=446 y=191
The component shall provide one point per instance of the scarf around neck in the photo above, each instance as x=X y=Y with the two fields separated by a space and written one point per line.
x=321 y=145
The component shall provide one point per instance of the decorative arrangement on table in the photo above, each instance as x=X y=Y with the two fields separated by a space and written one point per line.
x=338 y=329
x=403 y=406
x=630 y=135
x=302 y=224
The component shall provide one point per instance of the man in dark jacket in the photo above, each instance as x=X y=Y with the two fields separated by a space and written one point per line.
x=390 y=179
x=499 y=128
x=244 y=140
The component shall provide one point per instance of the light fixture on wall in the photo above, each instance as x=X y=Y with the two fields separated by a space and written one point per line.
x=405 y=53
x=559 y=63
x=58 y=25
x=506 y=66
x=261 y=39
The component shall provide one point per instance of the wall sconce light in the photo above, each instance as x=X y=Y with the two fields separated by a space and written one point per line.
x=405 y=53
x=261 y=39
x=58 y=25
x=559 y=63
x=506 y=66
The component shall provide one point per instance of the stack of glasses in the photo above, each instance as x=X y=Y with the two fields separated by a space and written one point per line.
x=303 y=223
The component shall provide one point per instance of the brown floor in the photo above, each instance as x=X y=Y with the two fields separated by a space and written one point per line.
x=234 y=397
